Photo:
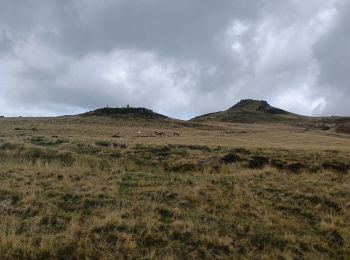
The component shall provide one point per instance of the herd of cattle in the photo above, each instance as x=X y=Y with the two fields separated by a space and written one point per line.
x=156 y=133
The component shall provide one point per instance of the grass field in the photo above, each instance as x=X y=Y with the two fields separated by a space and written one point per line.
x=91 y=187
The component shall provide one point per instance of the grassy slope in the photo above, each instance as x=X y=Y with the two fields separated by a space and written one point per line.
x=217 y=191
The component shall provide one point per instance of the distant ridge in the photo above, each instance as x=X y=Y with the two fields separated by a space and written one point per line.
x=245 y=111
x=260 y=111
x=251 y=111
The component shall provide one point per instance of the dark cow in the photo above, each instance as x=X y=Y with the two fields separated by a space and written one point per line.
x=156 y=133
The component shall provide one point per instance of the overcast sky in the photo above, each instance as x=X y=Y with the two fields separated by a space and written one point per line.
x=181 y=58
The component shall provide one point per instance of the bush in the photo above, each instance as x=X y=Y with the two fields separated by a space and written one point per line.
x=336 y=166
x=278 y=164
x=66 y=158
x=258 y=162
x=295 y=167
x=8 y=146
x=231 y=157
x=103 y=143
x=184 y=167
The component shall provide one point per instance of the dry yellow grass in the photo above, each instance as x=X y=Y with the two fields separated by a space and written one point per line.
x=90 y=187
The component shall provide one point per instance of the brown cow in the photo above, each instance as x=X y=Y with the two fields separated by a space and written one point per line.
x=156 y=133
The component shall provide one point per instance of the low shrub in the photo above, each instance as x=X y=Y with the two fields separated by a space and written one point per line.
x=231 y=157
x=258 y=162
x=336 y=166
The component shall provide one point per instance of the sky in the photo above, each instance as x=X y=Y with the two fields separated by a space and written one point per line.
x=181 y=58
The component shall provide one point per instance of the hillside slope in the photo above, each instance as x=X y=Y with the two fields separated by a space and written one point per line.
x=251 y=111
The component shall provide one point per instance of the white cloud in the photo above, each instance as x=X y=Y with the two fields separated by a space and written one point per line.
x=301 y=100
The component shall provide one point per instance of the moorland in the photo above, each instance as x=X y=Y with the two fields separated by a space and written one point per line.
x=250 y=182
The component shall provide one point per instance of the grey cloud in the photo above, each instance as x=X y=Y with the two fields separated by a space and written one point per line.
x=333 y=56
x=181 y=58
x=168 y=26
x=5 y=43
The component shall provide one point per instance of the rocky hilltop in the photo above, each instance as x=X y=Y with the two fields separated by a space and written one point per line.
x=251 y=111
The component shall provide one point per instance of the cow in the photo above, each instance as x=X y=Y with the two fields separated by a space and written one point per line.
x=176 y=134
x=156 y=133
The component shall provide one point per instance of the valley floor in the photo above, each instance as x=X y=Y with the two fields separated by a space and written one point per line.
x=95 y=188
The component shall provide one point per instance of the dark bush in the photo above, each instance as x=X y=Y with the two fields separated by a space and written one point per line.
x=231 y=157
x=8 y=146
x=325 y=128
x=184 y=167
x=66 y=158
x=345 y=129
x=241 y=151
x=115 y=154
x=336 y=166
x=42 y=141
x=162 y=151
x=103 y=143
x=258 y=162
x=295 y=167
x=34 y=154
x=278 y=164
x=199 y=147
x=335 y=238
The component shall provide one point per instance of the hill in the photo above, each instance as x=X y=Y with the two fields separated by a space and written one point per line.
x=251 y=111
x=261 y=112
x=245 y=111
x=126 y=112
